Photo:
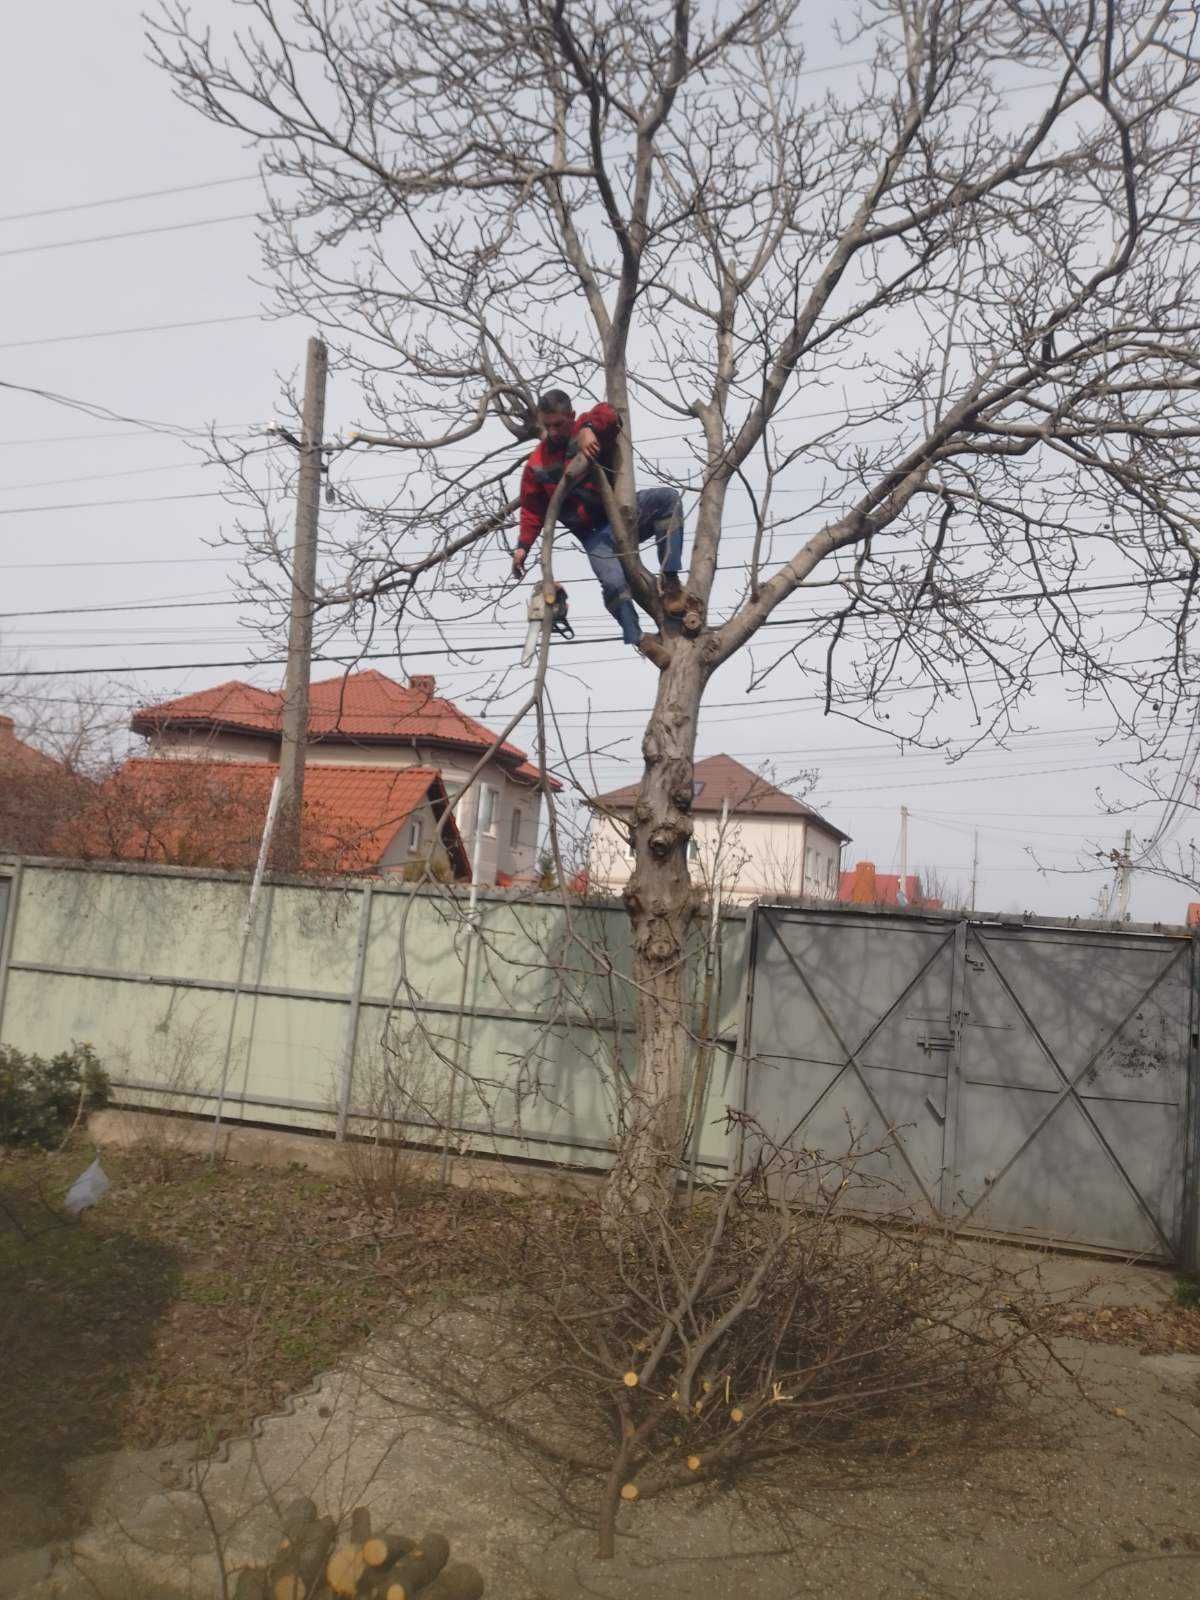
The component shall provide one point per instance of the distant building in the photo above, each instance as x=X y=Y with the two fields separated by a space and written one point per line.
x=367 y=720
x=772 y=843
x=382 y=821
x=863 y=886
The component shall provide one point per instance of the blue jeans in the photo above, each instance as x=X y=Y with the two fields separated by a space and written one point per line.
x=659 y=517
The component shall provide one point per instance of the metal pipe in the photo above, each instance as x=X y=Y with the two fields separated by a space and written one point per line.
x=351 y=1044
x=7 y=935
x=472 y=916
x=247 y=924
x=711 y=1005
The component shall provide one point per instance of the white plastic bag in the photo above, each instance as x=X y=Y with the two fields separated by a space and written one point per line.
x=89 y=1187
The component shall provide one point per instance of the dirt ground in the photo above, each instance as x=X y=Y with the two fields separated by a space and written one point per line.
x=1099 y=1498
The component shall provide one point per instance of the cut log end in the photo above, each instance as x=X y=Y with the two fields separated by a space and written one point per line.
x=631 y=1380
x=345 y=1568
x=693 y=1463
x=384 y=1548
x=629 y=1491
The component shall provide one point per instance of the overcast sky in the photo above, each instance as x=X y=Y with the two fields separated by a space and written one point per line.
x=100 y=513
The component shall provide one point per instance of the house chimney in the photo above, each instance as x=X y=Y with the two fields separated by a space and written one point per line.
x=7 y=730
x=863 y=889
x=424 y=683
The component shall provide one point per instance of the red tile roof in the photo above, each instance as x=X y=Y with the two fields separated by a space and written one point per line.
x=212 y=813
x=720 y=778
x=353 y=708
x=18 y=757
x=865 y=887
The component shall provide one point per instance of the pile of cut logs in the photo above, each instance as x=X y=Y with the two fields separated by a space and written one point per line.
x=312 y=1564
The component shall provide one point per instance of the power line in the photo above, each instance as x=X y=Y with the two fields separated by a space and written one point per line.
x=230 y=431
x=131 y=233
x=127 y=199
x=120 y=333
x=94 y=477
x=93 y=408
x=140 y=561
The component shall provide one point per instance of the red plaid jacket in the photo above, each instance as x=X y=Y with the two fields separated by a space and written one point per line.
x=582 y=509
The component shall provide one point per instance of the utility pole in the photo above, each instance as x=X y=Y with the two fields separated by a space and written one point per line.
x=300 y=623
x=974 y=870
x=902 y=897
x=1125 y=877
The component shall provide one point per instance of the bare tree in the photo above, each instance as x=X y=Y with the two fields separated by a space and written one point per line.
x=954 y=269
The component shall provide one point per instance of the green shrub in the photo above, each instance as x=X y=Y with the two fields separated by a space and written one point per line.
x=1187 y=1291
x=40 y=1100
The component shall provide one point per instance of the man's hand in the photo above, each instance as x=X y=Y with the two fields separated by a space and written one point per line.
x=587 y=441
x=518 y=562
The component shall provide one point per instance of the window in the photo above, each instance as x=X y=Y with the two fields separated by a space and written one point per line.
x=487 y=808
x=414 y=836
x=514 y=833
x=693 y=849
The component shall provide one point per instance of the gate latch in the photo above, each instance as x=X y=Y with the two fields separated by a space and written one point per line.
x=932 y=1043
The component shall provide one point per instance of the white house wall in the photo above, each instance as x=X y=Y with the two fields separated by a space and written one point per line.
x=760 y=857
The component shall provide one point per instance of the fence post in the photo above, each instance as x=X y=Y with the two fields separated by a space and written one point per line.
x=746 y=1035
x=1190 y=1231
x=346 y=1084
x=948 y=1185
x=7 y=934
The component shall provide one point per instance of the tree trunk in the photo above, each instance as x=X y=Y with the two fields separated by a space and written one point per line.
x=661 y=905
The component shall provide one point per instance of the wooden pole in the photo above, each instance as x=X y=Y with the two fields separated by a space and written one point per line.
x=300 y=625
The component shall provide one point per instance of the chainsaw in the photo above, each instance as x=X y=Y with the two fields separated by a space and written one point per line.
x=537 y=612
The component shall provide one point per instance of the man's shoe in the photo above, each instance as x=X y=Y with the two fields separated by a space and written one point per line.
x=674 y=601
x=654 y=650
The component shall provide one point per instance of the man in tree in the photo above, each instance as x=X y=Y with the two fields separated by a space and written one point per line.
x=593 y=436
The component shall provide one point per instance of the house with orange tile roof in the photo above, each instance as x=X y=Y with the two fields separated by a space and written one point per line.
x=360 y=721
x=356 y=819
x=769 y=843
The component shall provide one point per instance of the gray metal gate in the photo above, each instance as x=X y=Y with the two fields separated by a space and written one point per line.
x=1023 y=1078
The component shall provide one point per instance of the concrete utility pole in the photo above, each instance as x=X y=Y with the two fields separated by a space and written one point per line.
x=902 y=897
x=300 y=625
x=1125 y=877
x=974 y=870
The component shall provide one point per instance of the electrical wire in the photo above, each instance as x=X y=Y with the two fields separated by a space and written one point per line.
x=126 y=199
x=130 y=233
x=120 y=333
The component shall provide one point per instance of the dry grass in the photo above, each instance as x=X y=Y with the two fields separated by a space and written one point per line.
x=193 y=1299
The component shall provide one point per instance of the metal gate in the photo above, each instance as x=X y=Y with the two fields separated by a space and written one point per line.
x=1028 y=1079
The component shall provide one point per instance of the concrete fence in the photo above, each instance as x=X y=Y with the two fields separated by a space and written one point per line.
x=512 y=1038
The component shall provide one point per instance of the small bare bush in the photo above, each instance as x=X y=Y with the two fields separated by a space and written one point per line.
x=393 y=1116
x=745 y=1330
x=179 y=1056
